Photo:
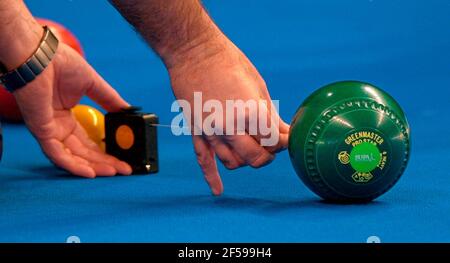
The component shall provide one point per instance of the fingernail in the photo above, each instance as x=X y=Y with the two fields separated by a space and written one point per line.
x=217 y=191
x=126 y=169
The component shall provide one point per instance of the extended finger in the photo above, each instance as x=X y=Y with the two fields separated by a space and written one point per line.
x=205 y=158
x=54 y=149
x=102 y=93
x=99 y=161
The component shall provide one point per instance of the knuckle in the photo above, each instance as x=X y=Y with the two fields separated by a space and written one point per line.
x=231 y=165
x=203 y=159
x=261 y=159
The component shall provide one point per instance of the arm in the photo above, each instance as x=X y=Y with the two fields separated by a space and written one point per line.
x=46 y=101
x=20 y=33
x=200 y=58
x=173 y=28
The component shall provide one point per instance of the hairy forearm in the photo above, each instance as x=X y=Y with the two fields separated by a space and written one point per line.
x=173 y=28
x=20 y=33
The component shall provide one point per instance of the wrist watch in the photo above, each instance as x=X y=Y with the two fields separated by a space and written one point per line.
x=28 y=71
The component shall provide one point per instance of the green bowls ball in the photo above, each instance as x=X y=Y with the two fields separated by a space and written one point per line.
x=349 y=142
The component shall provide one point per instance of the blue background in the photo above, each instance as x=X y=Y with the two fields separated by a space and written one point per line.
x=298 y=46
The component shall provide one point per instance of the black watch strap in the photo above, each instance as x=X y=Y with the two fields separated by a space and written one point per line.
x=27 y=72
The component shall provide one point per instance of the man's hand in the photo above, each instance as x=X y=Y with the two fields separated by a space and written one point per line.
x=45 y=104
x=223 y=74
x=201 y=59
x=46 y=101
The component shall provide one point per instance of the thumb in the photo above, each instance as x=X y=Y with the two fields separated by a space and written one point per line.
x=207 y=162
x=103 y=94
